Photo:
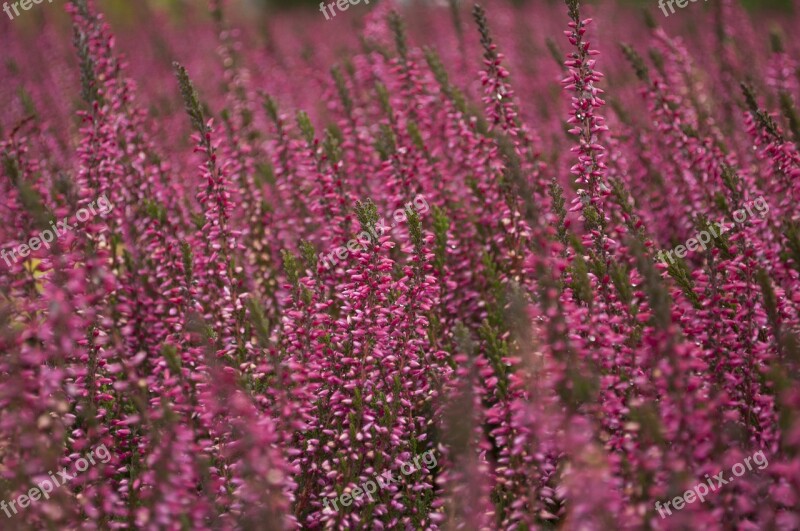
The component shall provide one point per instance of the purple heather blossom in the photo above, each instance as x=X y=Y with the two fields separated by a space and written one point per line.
x=523 y=329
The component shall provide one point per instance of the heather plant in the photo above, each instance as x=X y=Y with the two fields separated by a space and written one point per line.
x=525 y=332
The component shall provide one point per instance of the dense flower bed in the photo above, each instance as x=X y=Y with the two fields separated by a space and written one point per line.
x=521 y=332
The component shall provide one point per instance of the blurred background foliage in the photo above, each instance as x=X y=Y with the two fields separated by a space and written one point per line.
x=764 y=4
x=120 y=6
x=129 y=13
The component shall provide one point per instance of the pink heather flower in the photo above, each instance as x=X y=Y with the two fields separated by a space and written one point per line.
x=521 y=327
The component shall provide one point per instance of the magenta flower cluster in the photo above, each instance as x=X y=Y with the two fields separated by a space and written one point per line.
x=524 y=330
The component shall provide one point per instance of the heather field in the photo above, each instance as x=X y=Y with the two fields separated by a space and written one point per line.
x=399 y=265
